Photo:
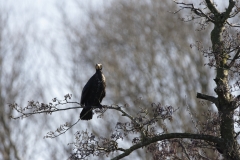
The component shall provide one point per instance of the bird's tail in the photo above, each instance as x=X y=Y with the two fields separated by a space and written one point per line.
x=86 y=113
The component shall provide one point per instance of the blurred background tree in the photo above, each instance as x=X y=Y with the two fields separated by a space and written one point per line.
x=146 y=56
x=13 y=86
x=21 y=80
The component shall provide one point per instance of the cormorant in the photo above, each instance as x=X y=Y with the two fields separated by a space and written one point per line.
x=93 y=93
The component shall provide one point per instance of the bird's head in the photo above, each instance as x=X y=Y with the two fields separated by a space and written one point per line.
x=98 y=66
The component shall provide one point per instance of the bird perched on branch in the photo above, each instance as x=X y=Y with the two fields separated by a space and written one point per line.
x=93 y=93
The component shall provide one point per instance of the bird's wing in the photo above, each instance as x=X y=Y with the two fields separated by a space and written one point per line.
x=87 y=90
x=102 y=95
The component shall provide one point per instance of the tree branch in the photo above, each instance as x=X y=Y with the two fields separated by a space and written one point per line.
x=169 y=136
x=185 y=151
x=229 y=9
x=233 y=25
x=24 y=115
x=197 y=11
x=61 y=130
x=207 y=97
x=129 y=116
x=211 y=7
x=236 y=56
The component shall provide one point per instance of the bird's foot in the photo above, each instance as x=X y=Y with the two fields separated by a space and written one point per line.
x=100 y=106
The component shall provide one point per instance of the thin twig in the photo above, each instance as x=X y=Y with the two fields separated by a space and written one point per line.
x=130 y=117
x=24 y=115
x=184 y=149
x=236 y=56
x=233 y=25
x=60 y=133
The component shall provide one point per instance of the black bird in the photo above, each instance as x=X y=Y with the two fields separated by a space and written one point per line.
x=93 y=93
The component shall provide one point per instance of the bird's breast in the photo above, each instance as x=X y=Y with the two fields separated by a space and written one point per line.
x=103 y=78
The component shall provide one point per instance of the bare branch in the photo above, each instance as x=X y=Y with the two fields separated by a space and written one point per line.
x=184 y=149
x=233 y=25
x=207 y=97
x=229 y=9
x=61 y=130
x=211 y=7
x=169 y=136
x=134 y=120
x=197 y=11
x=49 y=111
x=236 y=56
